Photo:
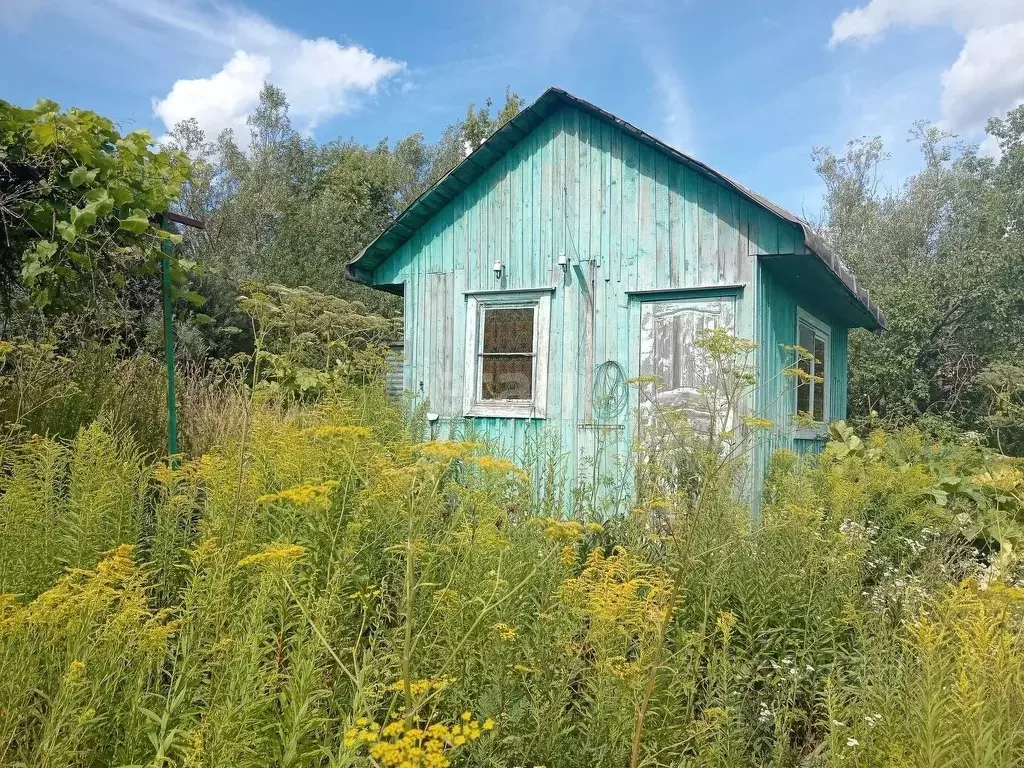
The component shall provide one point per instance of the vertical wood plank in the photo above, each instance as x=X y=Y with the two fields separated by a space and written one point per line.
x=646 y=257
x=584 y=204
x=707 y=192
x=691 y=236
x=615 y=238
x=630 y=222
x=662 y=223
x=728 y=236
x=676 y=205
x=459 y=351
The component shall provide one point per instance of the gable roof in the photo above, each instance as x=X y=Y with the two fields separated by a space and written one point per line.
x=431 y=201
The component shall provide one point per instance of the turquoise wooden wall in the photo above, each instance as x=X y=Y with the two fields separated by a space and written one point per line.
x=775 y=396
x=620 y=210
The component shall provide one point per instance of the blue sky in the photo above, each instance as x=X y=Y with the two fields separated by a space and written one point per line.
x=746 y=86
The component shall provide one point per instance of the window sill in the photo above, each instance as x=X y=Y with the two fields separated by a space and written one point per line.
x=817 y=432
x=505 y=411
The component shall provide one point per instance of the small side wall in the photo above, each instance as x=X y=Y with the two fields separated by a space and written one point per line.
x=775 y=397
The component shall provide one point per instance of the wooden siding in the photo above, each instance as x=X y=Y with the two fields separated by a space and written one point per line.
x=775 y=396
x=628 y=218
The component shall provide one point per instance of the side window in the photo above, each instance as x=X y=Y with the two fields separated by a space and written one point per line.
x=506 y=351
x=812 y=388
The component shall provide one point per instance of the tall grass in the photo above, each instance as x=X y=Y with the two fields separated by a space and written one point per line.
x=313 y=586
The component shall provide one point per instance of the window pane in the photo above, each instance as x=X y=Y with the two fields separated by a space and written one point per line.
x=806 y=339
x=819 y=373
x=508 y=330
x=803 y=395
x=506 y=378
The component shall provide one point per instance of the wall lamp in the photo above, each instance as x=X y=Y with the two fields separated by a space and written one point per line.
x=497 y=269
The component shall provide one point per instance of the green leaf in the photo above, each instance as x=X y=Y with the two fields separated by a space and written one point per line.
x=99 y=202
x=82 y=175
x=193 y=298
x=37 y=260
x=121 y=194
x=80 y=259
x=67 y=231
x=44 y=134
x=82 y=218
x=137 y=223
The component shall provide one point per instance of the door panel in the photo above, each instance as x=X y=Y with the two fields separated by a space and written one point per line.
x=682 y=371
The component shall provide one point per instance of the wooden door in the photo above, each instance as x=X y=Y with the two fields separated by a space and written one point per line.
x=681 y=371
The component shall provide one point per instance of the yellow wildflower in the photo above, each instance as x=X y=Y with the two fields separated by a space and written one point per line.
x=302 y=495
x=76 y=671
x=446 y=450
x=275 y=554
x=505 y=632
x=395 y=746
x=560 y=530
x=333 y=430
x=422 y=687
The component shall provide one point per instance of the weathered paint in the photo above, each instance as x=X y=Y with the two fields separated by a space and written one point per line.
x=775 y=395
x=633 y=222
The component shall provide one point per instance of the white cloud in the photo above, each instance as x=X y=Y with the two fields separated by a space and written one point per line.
x=988 y=76
x=217 y=102
x=321 y=77
x=675 y=107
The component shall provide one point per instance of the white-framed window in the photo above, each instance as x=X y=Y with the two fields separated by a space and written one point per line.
x=812 y=388
x=507 y=354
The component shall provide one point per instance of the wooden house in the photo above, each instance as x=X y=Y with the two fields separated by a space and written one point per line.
x=572 y=252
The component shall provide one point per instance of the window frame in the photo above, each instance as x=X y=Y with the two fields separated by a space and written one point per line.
x=476 y=309
x=823 y=331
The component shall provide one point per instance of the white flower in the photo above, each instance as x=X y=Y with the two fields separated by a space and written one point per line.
x=852 y=742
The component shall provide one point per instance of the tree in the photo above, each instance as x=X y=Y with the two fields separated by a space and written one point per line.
x=286 y=210
x=940 y=255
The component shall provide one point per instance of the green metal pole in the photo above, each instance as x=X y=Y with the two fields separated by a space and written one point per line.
x=172 y=401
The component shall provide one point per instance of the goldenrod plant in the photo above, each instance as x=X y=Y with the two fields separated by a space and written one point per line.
x=313 y=585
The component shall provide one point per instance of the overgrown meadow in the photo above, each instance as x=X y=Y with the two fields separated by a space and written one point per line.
x=313 y=586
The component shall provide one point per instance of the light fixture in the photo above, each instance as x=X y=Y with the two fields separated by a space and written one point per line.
x=563 y=262
x=497 y=269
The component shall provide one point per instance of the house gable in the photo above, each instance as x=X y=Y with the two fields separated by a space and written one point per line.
x=567 y=177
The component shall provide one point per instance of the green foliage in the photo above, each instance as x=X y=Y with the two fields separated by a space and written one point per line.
x=288 y=211
x=78 y=200
x=308 y=341
x=941 y=256
x=318 y=576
